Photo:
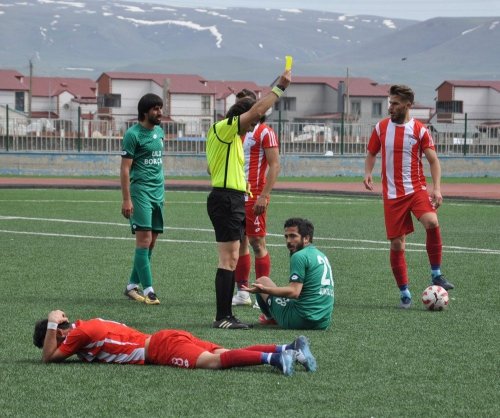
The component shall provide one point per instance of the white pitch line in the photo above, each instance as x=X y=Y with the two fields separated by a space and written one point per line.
x=290 y=199
x=447 y=247
x=53 y=234
x=49 y=234
x=59 y=201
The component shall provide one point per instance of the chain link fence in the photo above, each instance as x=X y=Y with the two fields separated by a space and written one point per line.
x=322 y=139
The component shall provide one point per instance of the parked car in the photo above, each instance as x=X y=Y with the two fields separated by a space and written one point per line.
x=314 y=133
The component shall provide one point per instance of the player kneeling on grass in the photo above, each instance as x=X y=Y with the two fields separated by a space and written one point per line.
x=103 y=341
x=307 y=301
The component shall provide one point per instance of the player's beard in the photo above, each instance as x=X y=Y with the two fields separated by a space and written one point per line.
x=398 y=117
x=153 y=120
x=298 y=247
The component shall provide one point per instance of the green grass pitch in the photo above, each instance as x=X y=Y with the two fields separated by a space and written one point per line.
x=72 y=250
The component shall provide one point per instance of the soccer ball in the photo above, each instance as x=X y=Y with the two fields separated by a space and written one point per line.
x=435 y=298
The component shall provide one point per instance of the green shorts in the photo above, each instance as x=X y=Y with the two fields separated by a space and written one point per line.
x=285 y=312
x=147 y=216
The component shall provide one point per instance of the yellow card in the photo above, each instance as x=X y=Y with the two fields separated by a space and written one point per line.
x=288 y=62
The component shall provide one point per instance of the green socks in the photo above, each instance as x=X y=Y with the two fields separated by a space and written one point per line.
x=142 y=268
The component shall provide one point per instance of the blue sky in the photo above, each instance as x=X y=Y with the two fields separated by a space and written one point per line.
x=414 y=9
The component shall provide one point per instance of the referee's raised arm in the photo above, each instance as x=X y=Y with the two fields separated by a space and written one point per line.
x=260 y=108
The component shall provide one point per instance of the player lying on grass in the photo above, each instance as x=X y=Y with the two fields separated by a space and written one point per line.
x=106 y=341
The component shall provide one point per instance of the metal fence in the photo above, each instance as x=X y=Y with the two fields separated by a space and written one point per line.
x=327 y=139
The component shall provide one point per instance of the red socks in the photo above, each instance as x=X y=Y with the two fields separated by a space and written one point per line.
x=398 y=265
x=242 y=272
x=434 y=246
x=240 y=358
x=263 y=266
x=263 y=348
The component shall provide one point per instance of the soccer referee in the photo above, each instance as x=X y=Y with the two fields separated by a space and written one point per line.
x=226 y=201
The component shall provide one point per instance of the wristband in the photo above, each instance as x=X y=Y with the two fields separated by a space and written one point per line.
x=52 y=325
x=277 y=91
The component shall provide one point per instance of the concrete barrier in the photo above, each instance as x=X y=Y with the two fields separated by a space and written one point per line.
x=84 y=164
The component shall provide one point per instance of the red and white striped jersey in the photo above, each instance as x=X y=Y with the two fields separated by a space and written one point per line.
x=402 y=148
x=105 y=341
x=263 y=136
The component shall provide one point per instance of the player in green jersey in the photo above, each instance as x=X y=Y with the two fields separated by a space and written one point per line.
x=307 y=301
x=142 y=184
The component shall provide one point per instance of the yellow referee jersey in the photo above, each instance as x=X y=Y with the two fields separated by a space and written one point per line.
x=225 y=155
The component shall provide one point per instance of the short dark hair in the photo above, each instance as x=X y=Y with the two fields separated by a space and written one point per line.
x=249 y=93
x=246 y=93
x=405 y=92
x=304 y=226
x=41 y=330
x=241 y=106
x=147 y=102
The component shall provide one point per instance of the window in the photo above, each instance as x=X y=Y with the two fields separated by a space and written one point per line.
x=20 y=101
x=376 y=109
x=289 y=103
x=356 y=108
x=452 y=106
x=205 y=126
x=286 y=103
x=205 y=105
x=109 y=100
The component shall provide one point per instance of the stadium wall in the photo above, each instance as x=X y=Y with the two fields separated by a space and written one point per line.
x=66 y=164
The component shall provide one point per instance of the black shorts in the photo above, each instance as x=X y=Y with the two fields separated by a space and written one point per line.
x=226 y=209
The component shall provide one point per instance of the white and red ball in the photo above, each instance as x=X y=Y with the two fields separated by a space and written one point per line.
x=435 y=298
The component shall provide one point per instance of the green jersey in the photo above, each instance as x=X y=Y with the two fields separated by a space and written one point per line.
x=311 y=267
x=225 y=156
x=145 y=147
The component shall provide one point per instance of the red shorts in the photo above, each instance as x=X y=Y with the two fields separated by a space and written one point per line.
x=177 y=349
x=397 y=212
x=255 y=226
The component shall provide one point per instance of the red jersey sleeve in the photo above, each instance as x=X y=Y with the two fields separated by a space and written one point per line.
x=374 y=144
x=267 y=137
x=75 y=340
x=426 y=139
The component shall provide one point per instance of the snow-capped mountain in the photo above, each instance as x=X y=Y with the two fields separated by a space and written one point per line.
x=86 y=38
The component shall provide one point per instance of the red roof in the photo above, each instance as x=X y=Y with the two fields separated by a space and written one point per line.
x=54 y=86
x=326 y=116
x=179 y=83
x=222 y=89
x=44 y=114
x=13 y=80
x=358 y=86
x=472 y=83
x=86 y=100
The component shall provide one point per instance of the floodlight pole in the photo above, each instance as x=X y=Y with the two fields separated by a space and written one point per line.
x=342 y=134
x=79 y=138
x=7 y=128
x=465 y=136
